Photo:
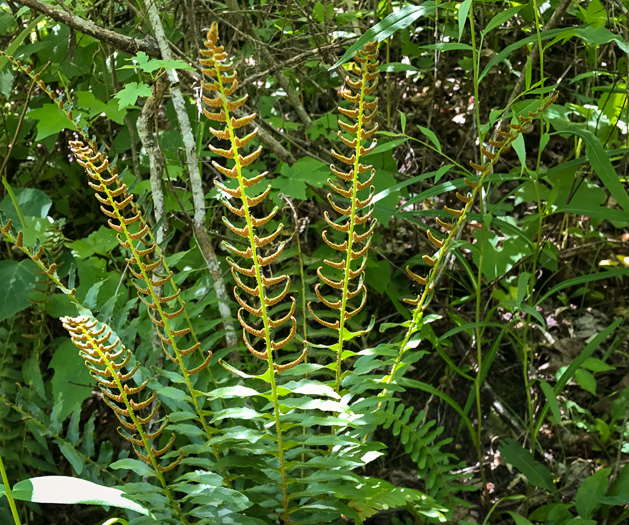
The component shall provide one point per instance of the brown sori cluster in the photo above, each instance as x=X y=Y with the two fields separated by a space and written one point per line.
x=222 y=84
x=126 y=219
x=436 y=260
x=105 y=361
x=364 y=127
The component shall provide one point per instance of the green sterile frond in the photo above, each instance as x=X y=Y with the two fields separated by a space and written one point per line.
x=106 y=362
x=219 y=85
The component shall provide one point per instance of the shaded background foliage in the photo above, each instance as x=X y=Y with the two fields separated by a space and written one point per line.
x=552 y=213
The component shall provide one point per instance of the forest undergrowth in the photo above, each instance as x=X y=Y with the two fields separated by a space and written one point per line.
x=314 y=263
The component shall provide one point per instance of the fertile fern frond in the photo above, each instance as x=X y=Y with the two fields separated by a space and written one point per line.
x=358 y=212
x=146 y=261
x=106 y=360
x=436 y=260
x=221 y=85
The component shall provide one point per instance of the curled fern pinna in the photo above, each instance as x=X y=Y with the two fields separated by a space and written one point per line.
x=356 y=245
x=223 y=84
x=105 y=360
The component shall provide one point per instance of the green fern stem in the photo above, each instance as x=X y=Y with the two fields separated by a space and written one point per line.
x=214 y=66
x=7 y=493
x=81 y=334
x=262 y=296
x=350 y=236
x=365 y=68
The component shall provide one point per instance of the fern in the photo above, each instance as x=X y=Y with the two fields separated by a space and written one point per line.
x=364 y=112
x=105 y=360
x=443 y=245
x=224 y=83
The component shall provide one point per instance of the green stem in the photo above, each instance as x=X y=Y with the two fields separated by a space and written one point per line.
x=352 y=225
x=475 y=59
x=7 y=493
x=479 y=276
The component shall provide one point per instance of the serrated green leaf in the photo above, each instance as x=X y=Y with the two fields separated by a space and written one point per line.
x=51 y=120
x=131 y=92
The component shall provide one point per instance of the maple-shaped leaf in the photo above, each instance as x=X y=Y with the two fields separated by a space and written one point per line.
x=130 y=93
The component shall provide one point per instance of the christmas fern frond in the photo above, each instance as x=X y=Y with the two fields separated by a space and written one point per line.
x=355 y=246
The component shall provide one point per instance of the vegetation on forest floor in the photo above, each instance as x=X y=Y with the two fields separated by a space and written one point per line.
x=428 y=322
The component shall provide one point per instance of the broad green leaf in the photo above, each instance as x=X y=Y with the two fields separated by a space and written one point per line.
x=585 y=380
x=100 y=242
x=18 y=280
x=306 y=171
x=590 y=492
x=71 y=380
x=537 y=474
x=51 y=120
x=385 y=28
x=621 y=485
x=94 y=106
x=32 y=203
x=67 y=490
